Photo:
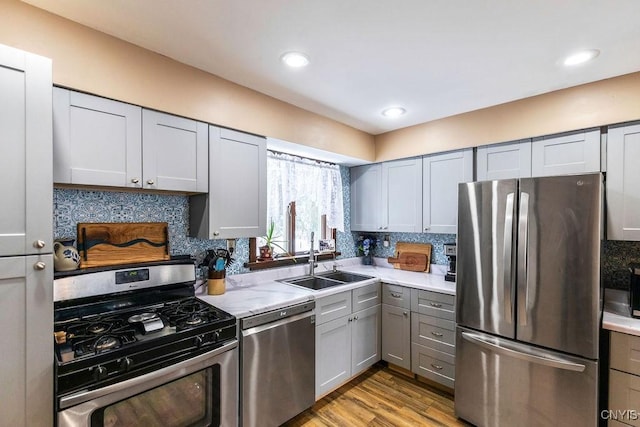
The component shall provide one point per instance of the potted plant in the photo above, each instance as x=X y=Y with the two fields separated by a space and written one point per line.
x=266 y=250
x=365 y=249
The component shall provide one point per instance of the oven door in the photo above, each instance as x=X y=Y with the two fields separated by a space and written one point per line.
x=202 y=391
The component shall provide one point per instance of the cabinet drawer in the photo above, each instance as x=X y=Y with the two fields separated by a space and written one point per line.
x=433 y=332
x=366 y=296
x=398 y=296
x=433 y=304
x=433 y=364
x=625 y=353
x=624 y=394
x=333 y=307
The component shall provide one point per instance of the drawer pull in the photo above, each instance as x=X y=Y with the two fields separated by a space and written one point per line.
x=436 y=334
x=438 y=367
x=435 y=304
x=396 y=295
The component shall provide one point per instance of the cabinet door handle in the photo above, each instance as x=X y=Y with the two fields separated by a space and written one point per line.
x=396 y=295
x=435 y=304
x=39 y=265
x=406 y=313
x=436 y=334
x=150 y=182
x=426 y=229
x=39 y=244
x=438 y=367
x=355 y=317
x=350 y=319
x=215 y=233
x=135 y=180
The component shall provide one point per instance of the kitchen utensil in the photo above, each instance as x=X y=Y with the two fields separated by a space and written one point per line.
x=410 y=261
x=423 y=248
x=101 y=244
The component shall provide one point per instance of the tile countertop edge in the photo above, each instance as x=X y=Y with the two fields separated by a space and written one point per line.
x=249 y=294
x=615 y=316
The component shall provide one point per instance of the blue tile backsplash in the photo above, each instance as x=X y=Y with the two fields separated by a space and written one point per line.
x=71 y=206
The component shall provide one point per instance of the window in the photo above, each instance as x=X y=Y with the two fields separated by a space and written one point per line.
x=316 y=190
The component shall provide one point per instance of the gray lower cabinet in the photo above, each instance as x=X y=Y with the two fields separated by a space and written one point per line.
x=624 y=380
x=347 y=340
x=433 y=336
x=99 y=141
x=236 y=205
x=396 y=325
x=26 y=239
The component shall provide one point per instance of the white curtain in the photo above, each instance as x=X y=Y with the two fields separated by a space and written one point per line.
x=315 y=186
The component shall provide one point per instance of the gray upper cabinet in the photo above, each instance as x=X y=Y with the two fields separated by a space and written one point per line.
x=236 y=205
x=366 y=198
x=102 y=142
x=25 y=162
x=175 y=153
x=387 y=196
x=564 y=154
x=402 y=195
x=441 y=175
x=26 y=282
x=504 y=161
x=96 y=141
x=623 y=176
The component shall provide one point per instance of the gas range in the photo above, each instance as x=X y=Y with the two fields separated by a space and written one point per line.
x=116 y=324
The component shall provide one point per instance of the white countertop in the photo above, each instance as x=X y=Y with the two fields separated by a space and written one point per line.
x=616 y=315
x=254 y=293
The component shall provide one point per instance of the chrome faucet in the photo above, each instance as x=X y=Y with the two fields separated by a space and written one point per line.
x=313 y=261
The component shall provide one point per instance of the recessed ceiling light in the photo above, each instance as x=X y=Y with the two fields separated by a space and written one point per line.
x=581 y=57
x=295 y=59
x=393 y=112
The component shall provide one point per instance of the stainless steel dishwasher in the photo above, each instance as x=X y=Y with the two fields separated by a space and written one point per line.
x=278 y=362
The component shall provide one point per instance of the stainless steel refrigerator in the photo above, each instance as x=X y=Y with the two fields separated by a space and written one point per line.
x=528 y=301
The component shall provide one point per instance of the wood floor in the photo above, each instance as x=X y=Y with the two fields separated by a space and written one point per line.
x=381 y=397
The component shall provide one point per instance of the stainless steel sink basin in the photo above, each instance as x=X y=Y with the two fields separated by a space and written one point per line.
x=345 y=277
x=326 y=280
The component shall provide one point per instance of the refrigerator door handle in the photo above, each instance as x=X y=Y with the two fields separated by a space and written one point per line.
x=507 y=278
x=523 y=237
x=522 y=352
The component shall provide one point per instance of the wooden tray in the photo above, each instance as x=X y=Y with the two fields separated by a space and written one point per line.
x=101 y=244
x=421 y=248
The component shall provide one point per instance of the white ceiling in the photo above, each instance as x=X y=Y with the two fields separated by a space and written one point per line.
x=436 y=58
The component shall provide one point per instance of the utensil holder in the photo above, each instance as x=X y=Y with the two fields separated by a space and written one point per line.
x=216 y=282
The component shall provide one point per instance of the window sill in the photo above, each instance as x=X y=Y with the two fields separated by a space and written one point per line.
x=288 y=261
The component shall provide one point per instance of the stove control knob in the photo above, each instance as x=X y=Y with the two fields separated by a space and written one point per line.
x=198 y=341
x=126 y=364
x=100 y=373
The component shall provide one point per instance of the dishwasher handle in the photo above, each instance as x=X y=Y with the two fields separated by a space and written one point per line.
x=277 y=315
x=275 y=324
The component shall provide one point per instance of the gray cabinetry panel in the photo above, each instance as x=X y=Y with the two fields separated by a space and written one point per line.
x=433 y=304
x=97 y=141
x=399 y=296
x=396 y=335
x=333 y=307
x=366 y=296
x=175 y=153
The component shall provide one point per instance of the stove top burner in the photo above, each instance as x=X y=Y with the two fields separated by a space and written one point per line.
x=98 y=328
x=194 y=320
x=106 y=343
x=143 y=317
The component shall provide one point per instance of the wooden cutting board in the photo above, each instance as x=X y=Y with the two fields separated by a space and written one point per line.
x=101 y=244
x=410 y=261
x=420 y=248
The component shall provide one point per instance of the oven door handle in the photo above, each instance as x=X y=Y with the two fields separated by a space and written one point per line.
x=139 y=384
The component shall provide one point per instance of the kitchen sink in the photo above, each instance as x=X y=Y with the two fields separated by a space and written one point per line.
x=345 y=277
x=326 y=280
